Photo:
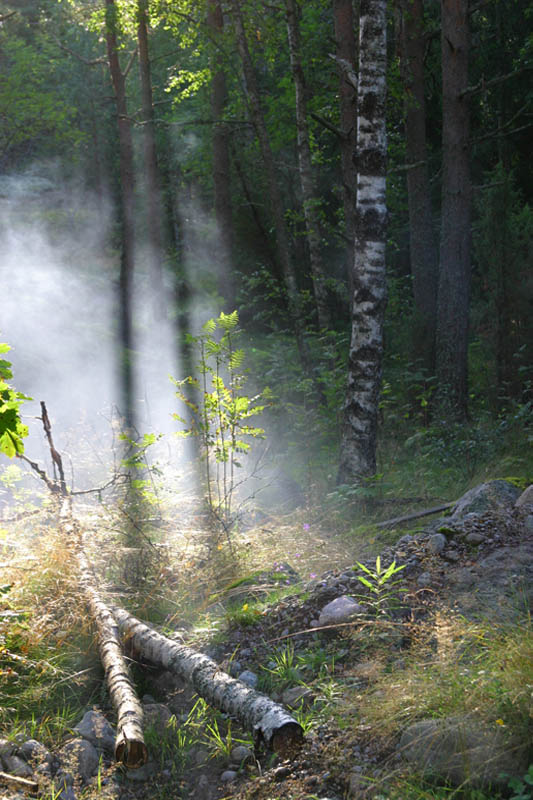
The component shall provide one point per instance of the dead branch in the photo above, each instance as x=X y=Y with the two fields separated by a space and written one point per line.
x=56 y=458
x=346 y=69
x=269 y=721
x=129 y=744
x=333 y=128
x=20 y=783
x=389 y=523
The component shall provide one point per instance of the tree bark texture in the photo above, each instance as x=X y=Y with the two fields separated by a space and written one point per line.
x=276 y=204
x=151 y=167
x=127 y=201
x=422 y=243
x=129 y=745
x=359 y=430
x=455 y=243
x=221 y=158
x=346 y=53
x=310 y=200
x=268 y=721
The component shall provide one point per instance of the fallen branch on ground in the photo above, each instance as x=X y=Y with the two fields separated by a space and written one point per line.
x=389 y=523
x=268 y=721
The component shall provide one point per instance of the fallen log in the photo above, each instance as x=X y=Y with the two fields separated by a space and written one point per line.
x=129 y=744
x=269 y=722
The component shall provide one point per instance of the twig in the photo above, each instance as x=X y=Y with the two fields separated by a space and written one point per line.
x=22 y=783
x=483 y=84
x=56 y=458
x=388 y=523
x=333 y=128
x=52 y=485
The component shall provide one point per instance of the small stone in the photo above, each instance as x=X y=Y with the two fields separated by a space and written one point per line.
x=235 y=667
x=240 y=754
x=143 y=773
x=229 y=776
x=281 y=772
x=437 y=543
x=528 y=523
x=79 y=757
x=404 y=540
x=424 y=579
x=95 y=728
x=35 y=752
x=451 y=555
x=342 y=609
x=297 y=697
x=148 y=699
x=463 y=578
x=249 y=678
x=17 y=766
x=475 y=538
x=7 y=748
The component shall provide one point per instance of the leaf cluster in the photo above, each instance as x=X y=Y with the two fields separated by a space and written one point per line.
x=12 y=429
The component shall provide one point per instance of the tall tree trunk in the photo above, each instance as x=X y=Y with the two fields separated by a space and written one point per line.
x=359 y=430
x=151 y=167
x=127 y=202
x=422 y=243
x=309 y=198
x=276 y=204
x=346 y=54
x=455 y=244
x=221 y=160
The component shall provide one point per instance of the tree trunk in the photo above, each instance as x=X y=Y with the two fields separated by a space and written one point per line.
x=359 y=430
x=422 y=244
x=310 y=201
x=455 y=244
x=282 y=239
x=221 y=160
x=127 y=218
x=346 y=54
x=129 y=745
x=268 y=721
x=151 y=167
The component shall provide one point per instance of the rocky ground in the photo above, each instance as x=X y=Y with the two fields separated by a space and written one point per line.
x=316 y=652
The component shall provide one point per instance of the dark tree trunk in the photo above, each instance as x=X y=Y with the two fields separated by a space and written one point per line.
x=305 y=169
x=221 y=161
x=422 y=243
x=127 y=218
x=276 y=204
x=359 y=430
x=151 y=167
x=346 y=55
x=455 y=244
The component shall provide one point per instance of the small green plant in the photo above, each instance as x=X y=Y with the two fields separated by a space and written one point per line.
x=220 y=419
x=284 y=669
x=522 y=788
x=12 y=429
x=379 y=582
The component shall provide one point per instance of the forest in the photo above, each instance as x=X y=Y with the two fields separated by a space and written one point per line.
x=266 y=394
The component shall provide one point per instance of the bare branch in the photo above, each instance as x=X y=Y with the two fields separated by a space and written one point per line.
x=333 y=128
x=483 y=85
x=347 y=70
x=88 y=62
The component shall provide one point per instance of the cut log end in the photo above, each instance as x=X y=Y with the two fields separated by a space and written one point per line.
x=287 y=740
x=132 y=753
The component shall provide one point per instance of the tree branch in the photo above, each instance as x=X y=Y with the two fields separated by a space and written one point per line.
x=483 y=84
x=347 y=70
x=333 y=128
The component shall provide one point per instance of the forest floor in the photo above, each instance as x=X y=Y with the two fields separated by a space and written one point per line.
x=448 y=637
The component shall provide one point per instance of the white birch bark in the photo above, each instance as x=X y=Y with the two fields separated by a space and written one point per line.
x=359 y=431
x=129 y=745
x=268 y=721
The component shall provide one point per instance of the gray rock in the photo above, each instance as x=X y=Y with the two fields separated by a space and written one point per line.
x=475 y=538
x=461 y=751
x=7 y=748
x=342 y=609
x=451 y=555
x=95 y=728
x=424 y=579
x=462 y=578
x=437 y=543
x=35 y=753
x=298 y=697
x=249 y=678
x=17 y=766
x=241 y=754
x=235 y=668
x=156 y=716
x=229 y=776
x=144 y=773
x=526 y=498
x=490 y=496
x=528 y=523
x=403 y=540
x=80 y=758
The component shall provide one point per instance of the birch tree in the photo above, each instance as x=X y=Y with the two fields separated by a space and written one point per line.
x=359 y=428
